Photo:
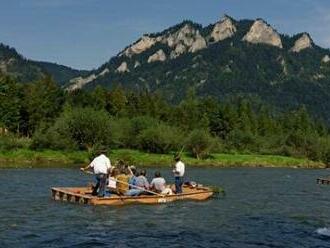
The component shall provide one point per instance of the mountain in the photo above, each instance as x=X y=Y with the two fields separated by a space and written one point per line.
x=246 y=58
x=24 y=70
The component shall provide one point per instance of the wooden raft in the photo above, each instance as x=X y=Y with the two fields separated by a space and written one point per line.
x=323 y=180
x=83 y=195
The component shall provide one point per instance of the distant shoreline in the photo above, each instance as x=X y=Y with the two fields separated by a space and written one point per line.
x=23 y=158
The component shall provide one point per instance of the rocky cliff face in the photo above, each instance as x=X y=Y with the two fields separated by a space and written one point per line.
x=80 y=82
x=302 y=43
x=223 y=29
x=326 y=59
x=158 y=56
x=142 y=45
x=122 y=68
x=198 y=44
x=261 y=32
x=5 y=64
x=137 y=64
x=179 y=49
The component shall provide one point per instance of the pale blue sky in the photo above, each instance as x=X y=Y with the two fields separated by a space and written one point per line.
x=85 y=33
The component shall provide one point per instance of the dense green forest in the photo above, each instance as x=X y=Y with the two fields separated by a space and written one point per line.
x=41 y=115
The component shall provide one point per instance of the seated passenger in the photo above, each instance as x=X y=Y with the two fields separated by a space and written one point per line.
x=112 y=184
x=141 y=183
x=158 y=184
x=133 y=175
x=122 y=182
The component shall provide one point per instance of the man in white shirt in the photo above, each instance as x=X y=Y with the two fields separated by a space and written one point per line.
x=178 y=171
x=158 y=184
x=101 y=166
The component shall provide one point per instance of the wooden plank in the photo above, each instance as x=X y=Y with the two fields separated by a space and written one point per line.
x=323 y=180
x=82 y=195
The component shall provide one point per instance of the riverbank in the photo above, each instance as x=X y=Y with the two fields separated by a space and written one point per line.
x=23 y=158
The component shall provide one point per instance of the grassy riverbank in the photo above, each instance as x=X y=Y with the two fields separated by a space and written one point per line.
x=24 y=158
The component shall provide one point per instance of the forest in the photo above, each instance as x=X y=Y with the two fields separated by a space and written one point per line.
x=41 y=115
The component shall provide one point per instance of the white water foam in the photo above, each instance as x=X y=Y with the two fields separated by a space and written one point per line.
x=323 y=231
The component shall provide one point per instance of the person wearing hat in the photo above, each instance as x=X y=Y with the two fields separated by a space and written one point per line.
x=101 y=166
x=178 y=171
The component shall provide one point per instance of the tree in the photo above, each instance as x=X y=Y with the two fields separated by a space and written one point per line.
x=82 y=128
x=98 y=98
x=43 y=101
x=10 y=104
x=199 y=143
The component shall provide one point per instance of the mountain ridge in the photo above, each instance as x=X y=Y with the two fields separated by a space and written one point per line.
x=26 y=70
x=258 y=32
x=226 y=59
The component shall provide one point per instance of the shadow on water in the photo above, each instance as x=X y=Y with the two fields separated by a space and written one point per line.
x=261 y=208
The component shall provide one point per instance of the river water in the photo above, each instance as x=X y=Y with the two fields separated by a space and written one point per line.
x=262 y=208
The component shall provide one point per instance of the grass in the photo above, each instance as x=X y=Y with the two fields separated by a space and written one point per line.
x=22 y=158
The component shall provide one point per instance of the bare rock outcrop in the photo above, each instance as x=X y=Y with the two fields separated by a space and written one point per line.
x=142 y=45
x=302 y=43
x=261 y=32
x=79 y=82
x=105 y=71
x=5 y=64
x=179 y=49
x=158 y=56
x=122 y=68
x=223 y=29
x=137 y=64
x=326 y=59
x=198 y=44
x=185 y=35
x=186 y=39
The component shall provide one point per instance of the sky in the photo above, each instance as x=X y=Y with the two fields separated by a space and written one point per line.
x=84 y=34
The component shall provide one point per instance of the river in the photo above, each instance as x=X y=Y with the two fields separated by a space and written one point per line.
x=262 y=208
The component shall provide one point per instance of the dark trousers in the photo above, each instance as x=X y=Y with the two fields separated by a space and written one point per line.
x=178 y=185
x=99 y=189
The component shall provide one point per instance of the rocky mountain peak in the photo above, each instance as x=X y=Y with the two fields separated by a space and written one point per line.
x=223 y=29
x=302 y=43
x=184 y=35
x=261 y=32
x=185 y=39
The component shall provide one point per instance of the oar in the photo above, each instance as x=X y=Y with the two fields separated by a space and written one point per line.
x=133 y=186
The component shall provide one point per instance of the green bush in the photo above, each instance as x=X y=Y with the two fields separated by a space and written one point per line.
x=120 y=132
x=10 y=142
x=160 y=139
x=200 y=143
x=242 y=141
x=82 y=128
x=53 y=138
x=125 y=131
x=326 y=157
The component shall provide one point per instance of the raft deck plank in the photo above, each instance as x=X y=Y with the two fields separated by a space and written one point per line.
x=323 y=180
x=83 y=195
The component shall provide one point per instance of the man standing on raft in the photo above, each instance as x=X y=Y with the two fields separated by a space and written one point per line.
x=101 y=166
x=178 y=174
